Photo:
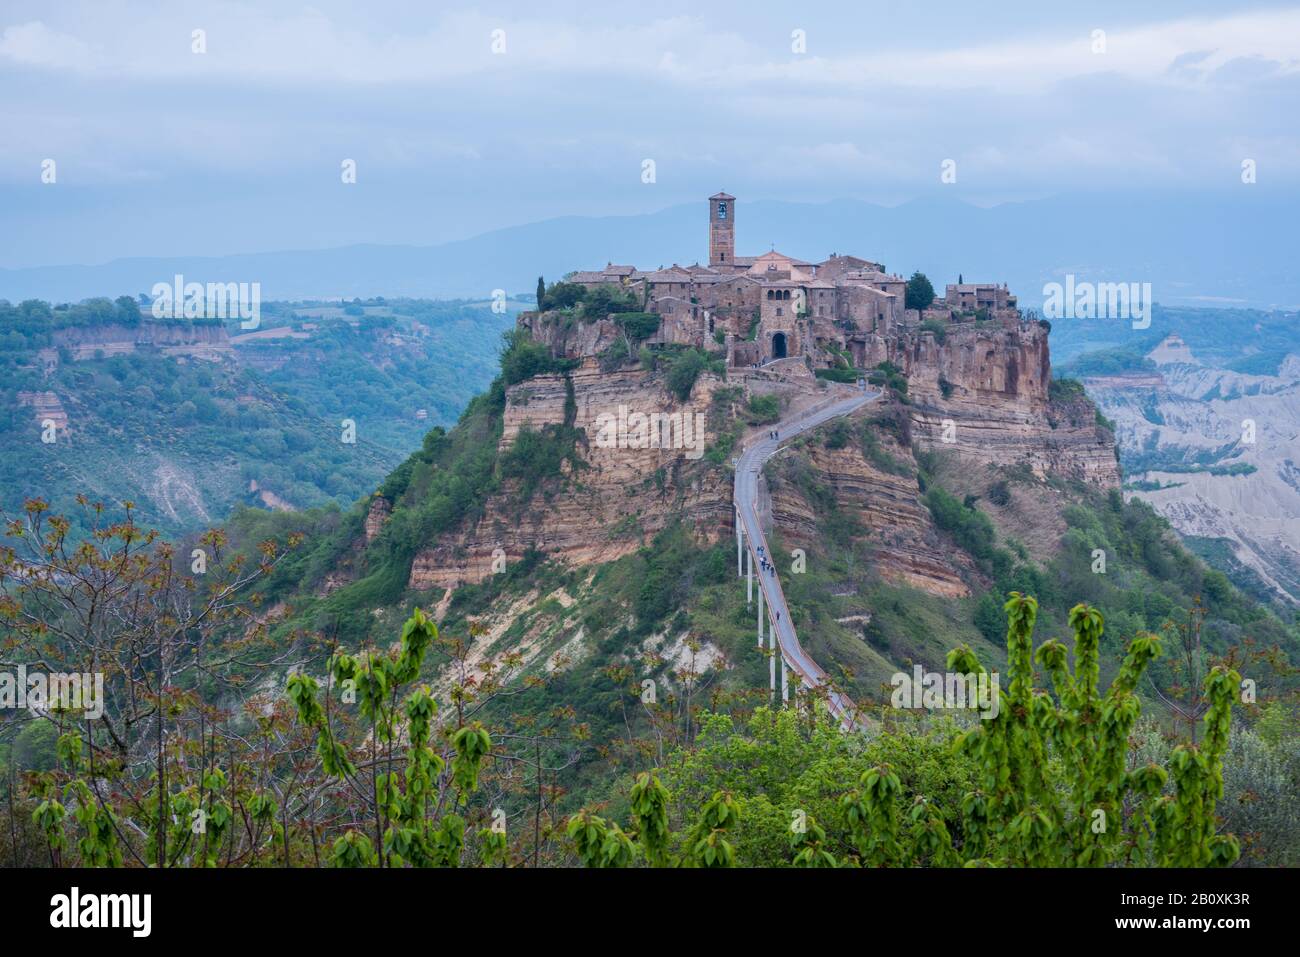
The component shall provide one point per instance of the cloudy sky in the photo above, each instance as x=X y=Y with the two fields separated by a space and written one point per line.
x=160 y=150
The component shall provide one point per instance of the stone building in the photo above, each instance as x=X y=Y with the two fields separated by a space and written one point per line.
x=971 y=297
x=773 y=306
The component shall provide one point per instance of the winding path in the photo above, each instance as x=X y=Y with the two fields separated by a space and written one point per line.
x=745 y=496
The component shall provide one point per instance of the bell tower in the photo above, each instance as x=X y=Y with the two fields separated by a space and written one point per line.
x=722 y=230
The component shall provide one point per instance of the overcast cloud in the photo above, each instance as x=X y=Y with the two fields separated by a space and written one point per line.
x=163 y=151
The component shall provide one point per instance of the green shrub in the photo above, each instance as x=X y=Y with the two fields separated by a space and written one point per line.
x=522 y=358
x=764 y=409
x=686 y=368
x=839 y=374
x=638 y=325
x=838 y=434
x=970 y=527
x=936 y=326
x=1065 y=390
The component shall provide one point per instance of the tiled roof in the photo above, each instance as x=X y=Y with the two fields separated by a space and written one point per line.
x=673 y=274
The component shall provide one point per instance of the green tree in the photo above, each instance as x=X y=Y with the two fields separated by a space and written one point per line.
x=405 y=805
x=599 y=843
x=919 y=293
x=686 y=368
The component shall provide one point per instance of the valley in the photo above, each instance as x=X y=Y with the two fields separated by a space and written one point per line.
x=191 y=419
x=1207 y=421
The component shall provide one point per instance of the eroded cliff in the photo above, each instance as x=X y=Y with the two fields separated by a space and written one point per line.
x=983 y=395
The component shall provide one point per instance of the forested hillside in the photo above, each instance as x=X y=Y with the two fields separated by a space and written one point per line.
x=189 y=418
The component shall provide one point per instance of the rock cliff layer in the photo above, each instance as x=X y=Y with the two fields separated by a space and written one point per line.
x=983 y=393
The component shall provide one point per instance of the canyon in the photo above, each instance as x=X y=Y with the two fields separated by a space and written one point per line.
x=1215 y=452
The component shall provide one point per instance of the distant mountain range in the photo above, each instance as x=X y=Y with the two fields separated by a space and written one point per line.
x=1227 y=249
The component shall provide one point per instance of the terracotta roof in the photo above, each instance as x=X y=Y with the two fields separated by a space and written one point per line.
x=672 y=274
x=876 y=292
x=776 y=257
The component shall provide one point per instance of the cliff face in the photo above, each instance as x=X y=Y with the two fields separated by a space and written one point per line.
x=1216 y=453
x=207 y=341
x=612 y=506
x=905 y=547
x=568 y=336
x=983 y=394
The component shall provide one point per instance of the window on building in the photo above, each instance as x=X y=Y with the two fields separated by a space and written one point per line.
x=722 y=210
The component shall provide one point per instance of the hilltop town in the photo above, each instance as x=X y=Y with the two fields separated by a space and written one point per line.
x=771 y=307
x=969 y=375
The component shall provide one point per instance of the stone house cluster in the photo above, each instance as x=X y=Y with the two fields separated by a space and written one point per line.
x=771 y=307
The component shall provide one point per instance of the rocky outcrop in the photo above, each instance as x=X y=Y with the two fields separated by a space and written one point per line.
x=983 y=393
x=269 y=498
x=378 y=514
x=905 y=547
x=199 y=340
x=1214 y=451
x=48 y=408
x=624 y=492
x=569 y=336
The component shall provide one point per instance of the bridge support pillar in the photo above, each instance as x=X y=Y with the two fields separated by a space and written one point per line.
x=771 y=660
x=785 y=688
x=749 y=577
x=760 y=618
x=740 y=535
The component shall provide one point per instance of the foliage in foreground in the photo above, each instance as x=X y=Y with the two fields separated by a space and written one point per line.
x=1052 y=785
x=368 y=767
